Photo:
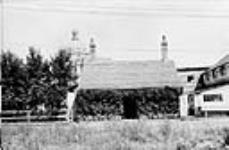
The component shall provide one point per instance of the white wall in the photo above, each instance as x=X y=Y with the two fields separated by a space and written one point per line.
x=183 y=105
x=217 y=105
x=189 y=86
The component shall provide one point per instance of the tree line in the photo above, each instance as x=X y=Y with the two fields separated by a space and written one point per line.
x=35 y=80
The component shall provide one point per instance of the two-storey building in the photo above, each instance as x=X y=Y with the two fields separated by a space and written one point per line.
x=211 y=94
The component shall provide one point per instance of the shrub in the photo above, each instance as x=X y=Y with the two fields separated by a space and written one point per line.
x=98 y=102
x=150 y=102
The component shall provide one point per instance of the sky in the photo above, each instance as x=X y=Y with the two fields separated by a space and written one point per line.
x=197 y=30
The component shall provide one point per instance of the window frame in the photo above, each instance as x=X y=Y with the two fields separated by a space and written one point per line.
x=207 y=76
x=214 y=73
x=213 y=97
x=223 y=70
x=227 y=68
x=190 y=78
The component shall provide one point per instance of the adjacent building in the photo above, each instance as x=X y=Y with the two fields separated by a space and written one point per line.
x=210 y=94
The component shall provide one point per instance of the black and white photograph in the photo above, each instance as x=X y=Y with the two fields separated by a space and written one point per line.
x=114 y=75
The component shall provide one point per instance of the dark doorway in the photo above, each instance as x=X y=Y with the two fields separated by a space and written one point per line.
x=191 y=106
x=129 y=107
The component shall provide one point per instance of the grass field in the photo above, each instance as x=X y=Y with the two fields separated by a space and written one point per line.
x=201 y=134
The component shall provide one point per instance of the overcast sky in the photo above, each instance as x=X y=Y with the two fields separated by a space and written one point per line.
x=197 y=30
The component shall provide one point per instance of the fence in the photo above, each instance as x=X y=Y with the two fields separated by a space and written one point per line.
x=28 y=116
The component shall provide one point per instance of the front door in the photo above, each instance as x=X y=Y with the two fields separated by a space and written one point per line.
x=191 y=106
x=129 y=107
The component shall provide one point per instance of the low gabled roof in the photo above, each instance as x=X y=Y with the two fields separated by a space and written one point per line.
x=128 y=74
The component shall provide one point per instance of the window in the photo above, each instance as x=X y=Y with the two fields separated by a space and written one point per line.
x=227 y=68
x=190 y=78
x=214 y=73
x=213 y=97
x=223 y=70
x=217 y=72
x=191 y=98
x=207 y=76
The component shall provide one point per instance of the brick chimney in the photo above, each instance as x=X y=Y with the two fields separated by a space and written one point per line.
x=164 y=49
x=92 y=47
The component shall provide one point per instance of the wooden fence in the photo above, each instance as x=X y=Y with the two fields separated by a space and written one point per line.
x=28 y=116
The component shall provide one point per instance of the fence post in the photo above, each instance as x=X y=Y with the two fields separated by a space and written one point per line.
x=206 y=114
x=28 y=116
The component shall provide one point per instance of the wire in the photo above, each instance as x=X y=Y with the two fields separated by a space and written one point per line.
x=124 y=11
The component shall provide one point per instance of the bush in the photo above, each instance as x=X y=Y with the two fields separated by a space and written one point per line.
x=150 y=102
x=98 y=102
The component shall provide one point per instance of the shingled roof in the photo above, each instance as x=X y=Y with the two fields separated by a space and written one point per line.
x=110 y=74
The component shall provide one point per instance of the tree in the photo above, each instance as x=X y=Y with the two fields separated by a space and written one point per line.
x=61 y=67
x=38 y=81
x=61 y=70
x=38 y=78
x=13 y=81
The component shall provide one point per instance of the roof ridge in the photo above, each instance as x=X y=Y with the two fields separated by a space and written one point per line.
x=220 y=62
x=223 y=60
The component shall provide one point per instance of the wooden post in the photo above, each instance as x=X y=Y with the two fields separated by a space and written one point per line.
x=206 y=114
x=28 y=114
x=183 y=105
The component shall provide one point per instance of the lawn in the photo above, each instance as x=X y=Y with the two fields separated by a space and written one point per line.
x=198 y=134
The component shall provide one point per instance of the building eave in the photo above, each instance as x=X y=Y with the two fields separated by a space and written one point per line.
x=213 y=86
